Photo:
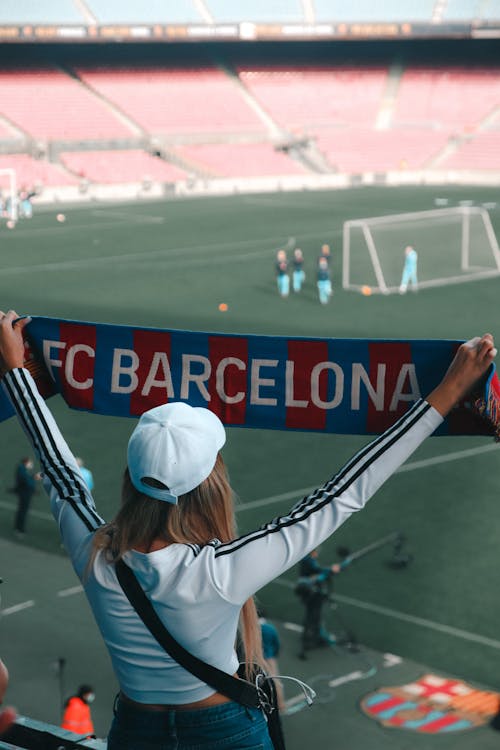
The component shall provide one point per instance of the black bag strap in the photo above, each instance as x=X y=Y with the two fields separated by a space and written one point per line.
x=238 y=690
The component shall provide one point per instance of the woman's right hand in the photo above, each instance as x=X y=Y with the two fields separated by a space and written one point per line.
x=11 y=341
x=472 y=360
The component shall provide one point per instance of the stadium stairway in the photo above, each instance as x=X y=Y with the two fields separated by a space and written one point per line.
x=189 y=165
x=202 y=9
x=83 y=8
x=307 y=152
x=125 y=119
x=271 y=126
x=455 y=143
x=389 y=97
x=304 y=151
x=444 y=154
x=140 y=138
x=11 y=132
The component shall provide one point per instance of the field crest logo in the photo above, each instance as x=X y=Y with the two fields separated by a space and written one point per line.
x=432 y=705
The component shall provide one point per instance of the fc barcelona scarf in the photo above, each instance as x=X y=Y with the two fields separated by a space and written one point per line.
x=345 y=386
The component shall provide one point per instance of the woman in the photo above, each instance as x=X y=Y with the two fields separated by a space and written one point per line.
x=175 y=529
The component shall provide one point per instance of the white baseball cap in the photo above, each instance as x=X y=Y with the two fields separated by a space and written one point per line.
x=173 y=449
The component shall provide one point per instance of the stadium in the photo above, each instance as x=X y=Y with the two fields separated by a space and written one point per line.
x=153 y=160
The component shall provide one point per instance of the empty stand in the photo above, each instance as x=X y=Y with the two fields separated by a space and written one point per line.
x=120 y=166
x=240 y=160
x=481 y=152
x=452 y=98
x=362 y=150
x=205 y=115
x=48 y=104
x=167 y=101
x=7 y=132
x=32 y=171
x=310 y=96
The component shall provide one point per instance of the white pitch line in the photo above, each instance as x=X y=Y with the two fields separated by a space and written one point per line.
x=349 y=677
x=271 y=244
x=300 y=493
x=17 y=608
x=69 y=592
x=412 y=466
x=274 y=499
x=35 y=513
x=412 y=619
x=445 y=457
x=134 y=218
x=422 y=622
x=48 y=231
x=293 y=627
x=167 y=254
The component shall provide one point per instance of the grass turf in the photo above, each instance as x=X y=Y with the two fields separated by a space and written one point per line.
x=170 y=265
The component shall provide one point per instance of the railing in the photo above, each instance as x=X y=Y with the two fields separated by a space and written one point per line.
x=27 y=734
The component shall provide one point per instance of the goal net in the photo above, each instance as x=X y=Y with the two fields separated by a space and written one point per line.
x=454 y=245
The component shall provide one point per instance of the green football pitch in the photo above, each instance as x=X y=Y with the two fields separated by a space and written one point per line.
x=170 y=264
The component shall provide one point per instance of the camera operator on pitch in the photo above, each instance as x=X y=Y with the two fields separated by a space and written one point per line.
x=314 y=588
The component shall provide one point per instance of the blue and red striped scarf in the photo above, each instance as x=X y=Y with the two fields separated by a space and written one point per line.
x=346 y=386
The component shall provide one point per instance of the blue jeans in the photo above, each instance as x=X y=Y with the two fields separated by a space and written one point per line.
x=229 y=726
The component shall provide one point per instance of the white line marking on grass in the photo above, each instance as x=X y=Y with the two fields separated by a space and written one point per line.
x=412 y=466
x=272 y=203
x=412 y=619
x=272 y=244
x=391 y=660
x=293 y=627
x=17 y=608
x=445 y=457
x=273 y=499
x=35 y=513
x=165 y=254
x=162 y=255
x=128 y=217
x=422 y=622
x=48 y=231
x=69 y=592
x=349 y=677
x=300 y=493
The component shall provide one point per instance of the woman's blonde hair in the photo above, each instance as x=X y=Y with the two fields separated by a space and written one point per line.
x=204 y=514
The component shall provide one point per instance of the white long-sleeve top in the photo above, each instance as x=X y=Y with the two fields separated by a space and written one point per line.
x=196 y=591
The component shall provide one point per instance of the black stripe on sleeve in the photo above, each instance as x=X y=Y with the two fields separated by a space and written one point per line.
x=323 y=496
x=64 y=479
x=419 y=406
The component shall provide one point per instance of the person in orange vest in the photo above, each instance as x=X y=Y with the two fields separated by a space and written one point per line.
x=76 y=717
x=8 y=714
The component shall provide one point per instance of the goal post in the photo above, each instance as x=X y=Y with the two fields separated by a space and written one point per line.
x=8 y=191
x=453 y=245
